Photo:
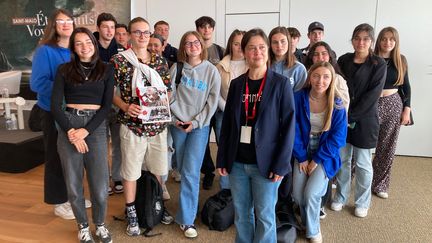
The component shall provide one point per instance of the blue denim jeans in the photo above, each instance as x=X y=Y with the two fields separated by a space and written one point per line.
x=94 y=162
x=190 y=148
x=253 y=196
x=363 y=177
x=307 y=193
x=223 y=180
x=308 y=190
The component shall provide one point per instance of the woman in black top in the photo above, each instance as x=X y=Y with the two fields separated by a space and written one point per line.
x=86 y=85
x=365 y=75
x=393 y=108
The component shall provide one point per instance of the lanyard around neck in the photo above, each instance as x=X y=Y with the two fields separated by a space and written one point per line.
x=251 y=117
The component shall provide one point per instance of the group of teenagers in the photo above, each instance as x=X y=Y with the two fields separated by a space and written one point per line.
x=280 y=114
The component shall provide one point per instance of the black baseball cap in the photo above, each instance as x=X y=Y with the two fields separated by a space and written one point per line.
x=315 y=26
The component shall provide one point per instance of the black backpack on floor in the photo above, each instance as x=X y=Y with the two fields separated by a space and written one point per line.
x=148 y=202
x=218 y=211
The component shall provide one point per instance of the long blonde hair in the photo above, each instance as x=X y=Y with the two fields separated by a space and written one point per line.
x=397 y=58
x=330 y=92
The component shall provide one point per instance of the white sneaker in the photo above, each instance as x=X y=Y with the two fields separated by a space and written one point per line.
x=176 y=175
x=87 y=203
x=189 y=231
x=103 y=234
x=85 y=236
x=383 y=195
x=317 y=238
x=361 y=212
x=64 y=211
x=335 y=206
x=165 y=194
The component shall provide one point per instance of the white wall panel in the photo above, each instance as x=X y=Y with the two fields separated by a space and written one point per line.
x=248 y=21
x=252 y=6
x=181 y=15
x=339 y=18
x=413 y=21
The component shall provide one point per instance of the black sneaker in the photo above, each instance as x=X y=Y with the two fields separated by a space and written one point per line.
x=167 y=218
x=208 y=181
x=323 y=214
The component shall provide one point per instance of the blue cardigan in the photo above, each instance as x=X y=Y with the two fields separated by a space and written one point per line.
x=274 y=128
x=330 y=141
x=44 y=68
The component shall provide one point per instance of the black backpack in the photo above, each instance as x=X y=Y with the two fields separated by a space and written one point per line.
x=148 y=202
x=286 y=223
x=218 y=211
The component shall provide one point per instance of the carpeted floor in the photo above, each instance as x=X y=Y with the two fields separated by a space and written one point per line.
x=405 y=217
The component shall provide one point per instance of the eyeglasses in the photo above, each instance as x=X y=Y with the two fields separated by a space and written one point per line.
x=64 y=21
x=139 y=33
x=189 y=44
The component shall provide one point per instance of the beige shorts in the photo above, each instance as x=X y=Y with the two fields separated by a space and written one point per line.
x=142 y=152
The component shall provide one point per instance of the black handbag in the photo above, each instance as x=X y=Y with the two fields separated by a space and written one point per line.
x=35 y=119
x=218 y=211
x=404 y=98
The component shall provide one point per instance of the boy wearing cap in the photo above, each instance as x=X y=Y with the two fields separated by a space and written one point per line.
x=315 y=34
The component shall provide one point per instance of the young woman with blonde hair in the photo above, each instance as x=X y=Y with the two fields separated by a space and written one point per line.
x=321 y=127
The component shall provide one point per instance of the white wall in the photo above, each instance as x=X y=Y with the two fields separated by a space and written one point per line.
x=411 y=18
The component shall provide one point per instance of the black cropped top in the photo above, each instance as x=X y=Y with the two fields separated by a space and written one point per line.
x=90 y=92
x=404 y=90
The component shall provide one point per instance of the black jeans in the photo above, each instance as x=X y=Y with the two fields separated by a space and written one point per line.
x=55 y=191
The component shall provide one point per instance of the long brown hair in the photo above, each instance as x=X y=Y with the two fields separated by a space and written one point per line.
x=73 y=70
x=369 y=30
x=51 y=36
x=289 y=56
x=182 y=56
x=236 y=32
x=330 y=92
x=395 y=55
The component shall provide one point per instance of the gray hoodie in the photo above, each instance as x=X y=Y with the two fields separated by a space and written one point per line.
x=196 y=97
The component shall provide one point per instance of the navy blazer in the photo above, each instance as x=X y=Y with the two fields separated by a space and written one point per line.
x=274 y=128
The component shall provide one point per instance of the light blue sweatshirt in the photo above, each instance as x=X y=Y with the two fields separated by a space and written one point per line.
x=296 y=75
x=44 y=68
x=196 y=97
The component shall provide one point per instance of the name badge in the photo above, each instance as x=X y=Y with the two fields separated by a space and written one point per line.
x=245 y=135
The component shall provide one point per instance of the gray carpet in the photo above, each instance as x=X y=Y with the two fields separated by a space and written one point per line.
x=405 y=217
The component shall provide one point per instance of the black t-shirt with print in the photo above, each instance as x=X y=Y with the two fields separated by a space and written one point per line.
x=246 y=152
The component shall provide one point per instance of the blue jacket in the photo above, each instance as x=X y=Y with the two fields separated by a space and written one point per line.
x=330 y=141
x=44 y=68
x=274 y=128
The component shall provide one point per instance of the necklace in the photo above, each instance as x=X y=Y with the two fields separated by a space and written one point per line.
x=86 y=71
x=86 y=68
x=316 y=99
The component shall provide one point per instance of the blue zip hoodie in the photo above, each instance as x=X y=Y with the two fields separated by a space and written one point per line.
x=330 y=141
x=44 y=68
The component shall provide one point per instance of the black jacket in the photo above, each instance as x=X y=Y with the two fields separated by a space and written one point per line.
x=364 y=85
